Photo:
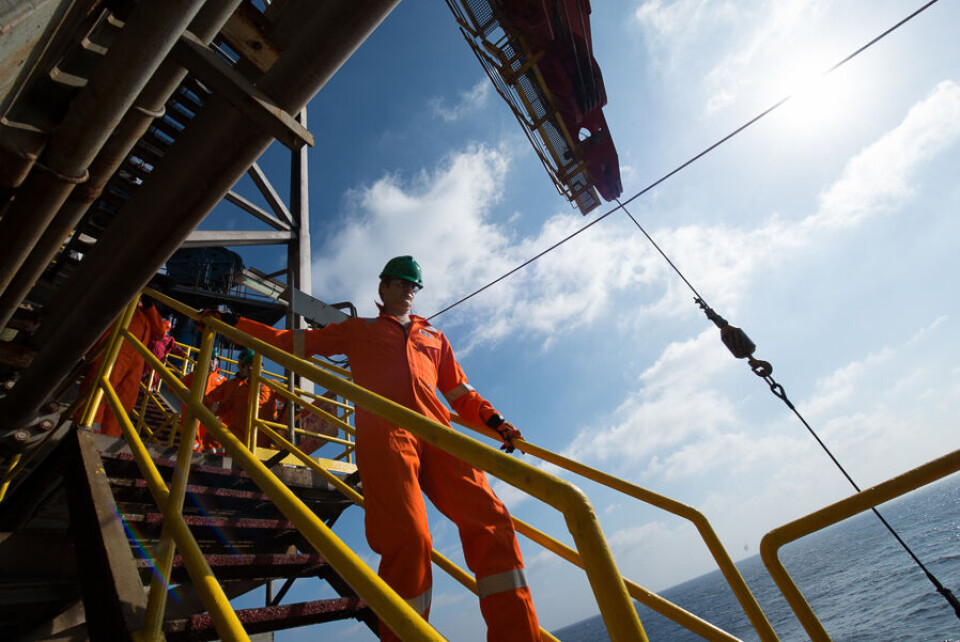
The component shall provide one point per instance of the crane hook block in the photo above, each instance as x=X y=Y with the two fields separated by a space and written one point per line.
x=737 y=342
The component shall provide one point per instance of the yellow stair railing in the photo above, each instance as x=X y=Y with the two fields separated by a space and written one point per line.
x=645 y=596
x=392 y=609
x=620 y=617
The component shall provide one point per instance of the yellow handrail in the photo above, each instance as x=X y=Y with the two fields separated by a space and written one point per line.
x=214 y=599
x=8 y=475
x=620 y=618
x=391 y=608
x=702 y=524
x=866 y=499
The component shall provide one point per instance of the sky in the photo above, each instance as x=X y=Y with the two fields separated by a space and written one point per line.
x=827 y=231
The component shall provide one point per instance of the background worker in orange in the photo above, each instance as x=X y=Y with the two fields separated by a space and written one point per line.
x=204 y=441
x=147 y=326
x=232 y=399
x=402 y=357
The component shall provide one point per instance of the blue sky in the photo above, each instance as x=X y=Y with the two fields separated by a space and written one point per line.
x=828 y=231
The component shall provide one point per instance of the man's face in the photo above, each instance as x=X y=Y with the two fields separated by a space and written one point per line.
x=244 y=369
x=397 y=295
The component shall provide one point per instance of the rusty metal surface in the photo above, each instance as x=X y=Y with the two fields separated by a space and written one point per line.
x=24 y=28
x=270 y=618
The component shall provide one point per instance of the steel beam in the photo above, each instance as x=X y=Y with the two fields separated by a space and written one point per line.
x=191 y=179
x=113 y=596
x=236 y=238
x=242 y=94
x=151 y=31
x=135 y=123
x=253 y=209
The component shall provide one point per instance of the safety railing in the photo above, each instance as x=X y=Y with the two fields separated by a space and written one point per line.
x=542 y=485
x=332 y=414
x=392 y=609
x=866 y=499
x=274 y=431
x=643 y=595
x=620 y=617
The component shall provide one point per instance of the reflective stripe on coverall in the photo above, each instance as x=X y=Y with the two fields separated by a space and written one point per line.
x=203 y=440
x=408 y=366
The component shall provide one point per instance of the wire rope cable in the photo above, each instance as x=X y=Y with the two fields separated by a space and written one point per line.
x=778 y=390
x=683 y=165
x=760 y=368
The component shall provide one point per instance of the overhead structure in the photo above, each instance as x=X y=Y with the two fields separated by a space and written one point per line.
x=123 y=124
x=539 y=55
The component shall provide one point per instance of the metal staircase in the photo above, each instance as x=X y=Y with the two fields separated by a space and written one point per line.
x=90 y=507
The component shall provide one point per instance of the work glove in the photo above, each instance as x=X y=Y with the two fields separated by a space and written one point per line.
x=508 y=433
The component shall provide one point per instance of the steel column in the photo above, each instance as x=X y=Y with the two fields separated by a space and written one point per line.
x=299 y=263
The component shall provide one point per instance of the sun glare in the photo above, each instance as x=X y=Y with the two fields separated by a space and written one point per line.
x=817 y=100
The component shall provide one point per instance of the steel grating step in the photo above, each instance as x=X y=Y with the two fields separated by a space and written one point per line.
x=256 y=566
x=269 y=618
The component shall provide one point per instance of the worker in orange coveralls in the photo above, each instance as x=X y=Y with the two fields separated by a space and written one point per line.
x=161 y=348
x=402 y=357
x=146 y=325
x=232 y=399
x=204 y=442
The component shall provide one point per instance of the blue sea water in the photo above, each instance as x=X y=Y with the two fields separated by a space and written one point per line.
x=856 y=577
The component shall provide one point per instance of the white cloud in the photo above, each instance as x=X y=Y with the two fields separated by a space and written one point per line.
x=470 y=102
x=877 y=179
x=454 y=237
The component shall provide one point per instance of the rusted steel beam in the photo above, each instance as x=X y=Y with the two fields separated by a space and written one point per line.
x=244 y=32
x=240 y=92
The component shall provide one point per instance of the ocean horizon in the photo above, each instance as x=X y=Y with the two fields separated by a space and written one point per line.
x=859 y=581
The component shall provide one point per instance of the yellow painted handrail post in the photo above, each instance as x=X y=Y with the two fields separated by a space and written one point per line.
x=224 y=618
x=619 y=616
x=108 y=359
x=172 y=511
x=838 y=511
x=11 y=467
x=664 y=607
x=749 y=603
x=253 y=403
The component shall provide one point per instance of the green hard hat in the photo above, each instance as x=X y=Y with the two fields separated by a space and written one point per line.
x=246 y=356
x=403 y=267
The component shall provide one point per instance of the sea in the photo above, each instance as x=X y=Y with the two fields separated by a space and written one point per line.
x=859 y=581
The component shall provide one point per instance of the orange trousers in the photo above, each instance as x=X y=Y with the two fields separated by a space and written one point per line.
x=395 y=467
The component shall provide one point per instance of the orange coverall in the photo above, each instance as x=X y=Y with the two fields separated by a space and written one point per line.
x=233 y=399
x=146 y=325
x=204 y=441
x=408 y=366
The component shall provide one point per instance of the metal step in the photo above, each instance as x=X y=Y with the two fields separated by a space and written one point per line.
x=269 y=618
x=247 y=567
